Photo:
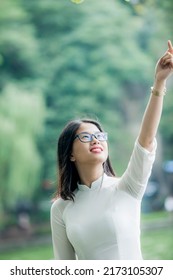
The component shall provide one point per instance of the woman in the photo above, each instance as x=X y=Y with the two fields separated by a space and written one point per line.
x=96 y=215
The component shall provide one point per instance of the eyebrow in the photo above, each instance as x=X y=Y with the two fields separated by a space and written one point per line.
x=90 y=132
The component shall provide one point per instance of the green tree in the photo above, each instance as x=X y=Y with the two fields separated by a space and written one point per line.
x=18 y=46
x=21 y=121
x=158 y=15
x=21 y=106
x=94 y=64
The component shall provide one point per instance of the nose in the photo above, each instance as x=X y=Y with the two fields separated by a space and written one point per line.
x=94 y=140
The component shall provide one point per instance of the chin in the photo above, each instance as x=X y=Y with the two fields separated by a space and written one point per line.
x=99 y=160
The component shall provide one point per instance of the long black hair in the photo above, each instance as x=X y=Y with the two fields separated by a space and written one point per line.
x=67 y=173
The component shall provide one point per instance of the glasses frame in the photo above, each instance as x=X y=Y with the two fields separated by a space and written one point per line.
x=91 y=136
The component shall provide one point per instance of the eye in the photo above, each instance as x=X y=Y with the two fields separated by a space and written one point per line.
x=85 y=137
x=100 y=135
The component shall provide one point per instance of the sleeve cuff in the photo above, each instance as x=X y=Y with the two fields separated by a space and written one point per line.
x=145 y=151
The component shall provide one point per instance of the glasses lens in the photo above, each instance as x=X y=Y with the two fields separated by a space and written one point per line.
x=101 y=136
x=85 y=137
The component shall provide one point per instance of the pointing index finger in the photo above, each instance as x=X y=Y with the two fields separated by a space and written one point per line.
x=170 y=46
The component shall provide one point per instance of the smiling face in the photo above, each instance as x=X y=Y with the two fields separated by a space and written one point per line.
x=94 y=152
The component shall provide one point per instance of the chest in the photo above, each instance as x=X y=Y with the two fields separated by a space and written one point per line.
x=101 y=217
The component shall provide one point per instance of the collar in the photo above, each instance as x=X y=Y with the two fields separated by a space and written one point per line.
x=94 y=185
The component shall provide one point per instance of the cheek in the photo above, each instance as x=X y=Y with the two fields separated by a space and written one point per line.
x=105 y=146
x=79 y=150
x=106 y=153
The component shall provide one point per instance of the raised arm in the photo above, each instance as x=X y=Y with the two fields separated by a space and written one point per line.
x=152 y=115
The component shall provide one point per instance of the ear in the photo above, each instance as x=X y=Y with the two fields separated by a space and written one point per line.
x=72 y=158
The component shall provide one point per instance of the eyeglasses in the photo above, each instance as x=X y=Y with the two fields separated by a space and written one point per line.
x=86 y=137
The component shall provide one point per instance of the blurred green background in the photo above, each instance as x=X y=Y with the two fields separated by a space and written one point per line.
x=60 y=61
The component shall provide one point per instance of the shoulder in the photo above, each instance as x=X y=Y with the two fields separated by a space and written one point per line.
x=111 y=181
x=59 y=205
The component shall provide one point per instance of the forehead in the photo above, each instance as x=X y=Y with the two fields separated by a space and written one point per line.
x=88 y=127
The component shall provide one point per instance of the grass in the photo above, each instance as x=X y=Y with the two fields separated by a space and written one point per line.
x=41 y=252
x=157 y=244
x=155 y=216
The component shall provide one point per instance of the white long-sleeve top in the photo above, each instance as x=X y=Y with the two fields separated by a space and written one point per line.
x=104 y=220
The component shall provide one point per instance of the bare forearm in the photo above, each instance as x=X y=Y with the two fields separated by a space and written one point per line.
x=152 y=116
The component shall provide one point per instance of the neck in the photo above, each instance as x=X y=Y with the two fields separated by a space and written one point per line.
x=89 y=174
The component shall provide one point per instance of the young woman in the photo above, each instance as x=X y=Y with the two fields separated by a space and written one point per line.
x=96 y=215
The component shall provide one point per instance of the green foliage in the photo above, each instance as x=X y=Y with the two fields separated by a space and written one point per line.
x=167 y=7
x=21 y=120
x=95 y=59
x=90 y=67
x=22 y=108
x=166 y=127
x=18 y=47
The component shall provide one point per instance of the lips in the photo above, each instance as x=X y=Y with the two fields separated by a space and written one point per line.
x=96 y=149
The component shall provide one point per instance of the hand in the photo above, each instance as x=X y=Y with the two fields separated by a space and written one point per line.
x=164 y=67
